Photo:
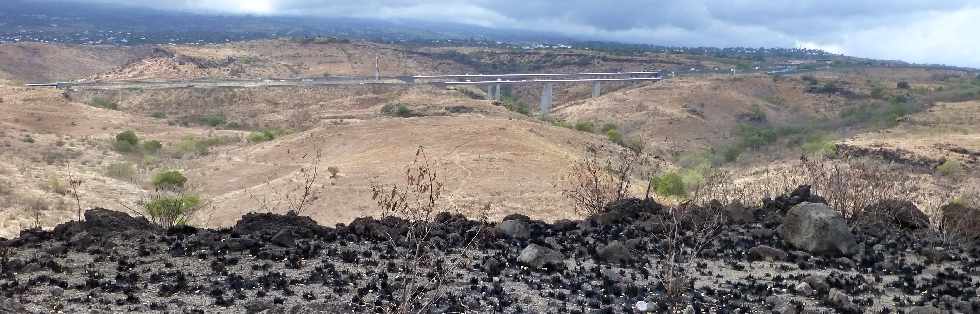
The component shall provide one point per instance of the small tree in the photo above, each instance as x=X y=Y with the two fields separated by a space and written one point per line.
x=169 y=180
x=171 y=204
x=417 y=202
x=74 y=184
x=685 y=232
x=593 y=183
x=36 y=207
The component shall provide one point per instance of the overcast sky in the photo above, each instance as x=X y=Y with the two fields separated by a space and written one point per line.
x=923 y=31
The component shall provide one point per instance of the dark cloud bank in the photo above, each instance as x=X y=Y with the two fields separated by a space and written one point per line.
x=920 y=31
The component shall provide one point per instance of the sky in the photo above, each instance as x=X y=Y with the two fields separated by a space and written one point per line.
x=921 y=31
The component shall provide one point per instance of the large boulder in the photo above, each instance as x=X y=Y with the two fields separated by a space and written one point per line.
x=100 y=219
x=901 y=214
x=11 y=306
x=537 y=256
x=615 y=252
x=818 y=229
x=269 y=224
x=767 y=253
x=517 y=229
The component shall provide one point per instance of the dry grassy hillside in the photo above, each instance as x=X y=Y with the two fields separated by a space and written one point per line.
x=41 y=133
x=947 y=131
x=690 y=114
x=511 y=164
x=35 y=62
x=485 y=153
x=278 y=59
x=284 y=107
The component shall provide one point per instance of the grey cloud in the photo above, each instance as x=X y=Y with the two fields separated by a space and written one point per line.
x=870 y=27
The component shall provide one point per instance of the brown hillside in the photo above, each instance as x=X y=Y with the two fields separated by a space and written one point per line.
x=35 y=62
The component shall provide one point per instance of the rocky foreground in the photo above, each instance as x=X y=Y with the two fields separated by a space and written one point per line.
x=793 y=256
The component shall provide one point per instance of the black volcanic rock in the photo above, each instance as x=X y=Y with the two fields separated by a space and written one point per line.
x=517 y=229
x=269 y=224
x=615 y=252
x=901 y=214
x=765 y=252
x=563 y=267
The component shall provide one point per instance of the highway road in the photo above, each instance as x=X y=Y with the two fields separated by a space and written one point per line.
x=456 y=79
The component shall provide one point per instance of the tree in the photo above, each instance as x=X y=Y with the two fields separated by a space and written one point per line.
x=169 y=180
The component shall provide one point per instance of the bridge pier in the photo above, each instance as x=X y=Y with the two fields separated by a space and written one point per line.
x=496 y=93
x=596 y=89
x=546 y=99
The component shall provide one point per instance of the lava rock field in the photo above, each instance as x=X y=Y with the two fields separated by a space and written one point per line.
x=271 y=263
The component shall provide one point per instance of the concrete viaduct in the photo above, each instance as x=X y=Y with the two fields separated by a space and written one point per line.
x=493 y=82
x=490 y=82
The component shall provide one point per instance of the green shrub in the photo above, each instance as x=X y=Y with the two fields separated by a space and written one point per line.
x=126 y=142
x=730 y=153
x=878 y=92
x=121 y=170
x=819 y=145
x=213 y=120
x=170 y=179
x=518 y=107
x=669 y=184
x=757 y=114
x=585 y=126
x=880 y=114
x=755 y=136
x=608 y=126
x=128 y=137
x=562 y=124
x=261 y=136
x=192 y=145
x=152 y=147
x=202 y=146
x=171 y=211
x=397 y=110
x=103 y=103
x=159 y=115
x=903 y=85
x=514 y=104
x=615 y=136
x=949 y=168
